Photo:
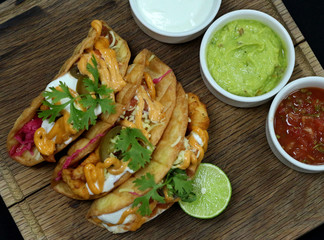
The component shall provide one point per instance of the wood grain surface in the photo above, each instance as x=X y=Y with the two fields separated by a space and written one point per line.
x=269 y=201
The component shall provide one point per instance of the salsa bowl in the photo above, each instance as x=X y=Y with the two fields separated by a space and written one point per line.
x=265 y=21
x=273 y=136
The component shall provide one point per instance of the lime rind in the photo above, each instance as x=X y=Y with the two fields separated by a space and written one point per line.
x=213 y=190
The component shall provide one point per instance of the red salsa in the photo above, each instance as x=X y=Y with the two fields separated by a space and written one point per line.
x=299 y=125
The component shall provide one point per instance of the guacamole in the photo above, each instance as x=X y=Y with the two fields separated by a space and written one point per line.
x=246 y=58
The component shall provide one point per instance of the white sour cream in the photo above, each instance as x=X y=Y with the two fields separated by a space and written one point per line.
x=175 y=15
x=110 y=180
x=113 y=218
x=71 y=82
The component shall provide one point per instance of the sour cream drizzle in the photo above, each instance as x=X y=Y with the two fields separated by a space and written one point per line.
x=71 y=82
x=61 y=130
x=110 y=180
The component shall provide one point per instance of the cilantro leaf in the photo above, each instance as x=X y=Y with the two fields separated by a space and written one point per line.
x=129 y=143
x=78 y=118
x=52 y=112
x=103 y=90
x=56 y=95
x=98 y=96
x=179 y=185
x=89 y=84
x=144 y=183
x=107 y=105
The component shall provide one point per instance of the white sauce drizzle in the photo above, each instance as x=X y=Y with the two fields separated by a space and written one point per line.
x=113 y=218
x=110 y=179
x=71 y=82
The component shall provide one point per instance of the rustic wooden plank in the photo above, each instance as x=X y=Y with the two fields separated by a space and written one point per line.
x=258 y=210
x=10 y=9
x=288 y=20
x=311 y=58
x=265 y=192
x=27 y=223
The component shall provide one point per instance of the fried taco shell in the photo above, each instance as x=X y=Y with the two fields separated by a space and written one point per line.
x=115 y=211
x=162 y=160
x=149 y=112
x=20 y=141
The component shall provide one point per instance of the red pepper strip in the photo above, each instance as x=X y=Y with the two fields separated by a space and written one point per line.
x=157 y=80
x=136 y=194
x=75 y=154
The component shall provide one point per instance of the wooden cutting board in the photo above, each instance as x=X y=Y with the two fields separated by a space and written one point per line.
x=269 y=200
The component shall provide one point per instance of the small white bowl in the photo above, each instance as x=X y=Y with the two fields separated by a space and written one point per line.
x=173 y=37
x=219 y=92
x=274 y=144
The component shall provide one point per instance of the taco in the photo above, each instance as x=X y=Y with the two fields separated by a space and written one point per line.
x=128 y=144
x=85 y=87
x=153 y=189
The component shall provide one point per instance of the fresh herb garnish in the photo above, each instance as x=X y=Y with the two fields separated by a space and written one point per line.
x=176 y=182
x=144 y=183
x=179 y=185
x=99 y=95
x=135 y=147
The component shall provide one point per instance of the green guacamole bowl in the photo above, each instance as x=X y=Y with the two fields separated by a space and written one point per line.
x=246 y=57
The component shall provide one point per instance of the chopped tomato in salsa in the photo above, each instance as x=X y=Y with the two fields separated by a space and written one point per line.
x=299 y=125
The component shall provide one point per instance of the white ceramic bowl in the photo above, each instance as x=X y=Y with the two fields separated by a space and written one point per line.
x=274 y=144
x=172 y=37
x=225 y=96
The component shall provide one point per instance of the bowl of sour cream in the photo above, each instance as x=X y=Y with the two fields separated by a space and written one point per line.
x=246 y=57
x=174 y=21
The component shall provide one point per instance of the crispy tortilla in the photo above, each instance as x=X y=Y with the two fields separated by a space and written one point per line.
x=29 y=159
x=112 y=203
x=91 y=139
x=162 y=160
x=166 y=95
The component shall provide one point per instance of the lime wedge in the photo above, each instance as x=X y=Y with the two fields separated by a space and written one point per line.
x=213 y=191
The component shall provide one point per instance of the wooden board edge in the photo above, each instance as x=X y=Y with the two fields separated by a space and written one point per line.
x=298 y=37
x=311 y=58
x=288 y=20
x=26 y=221
x=10 y=190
